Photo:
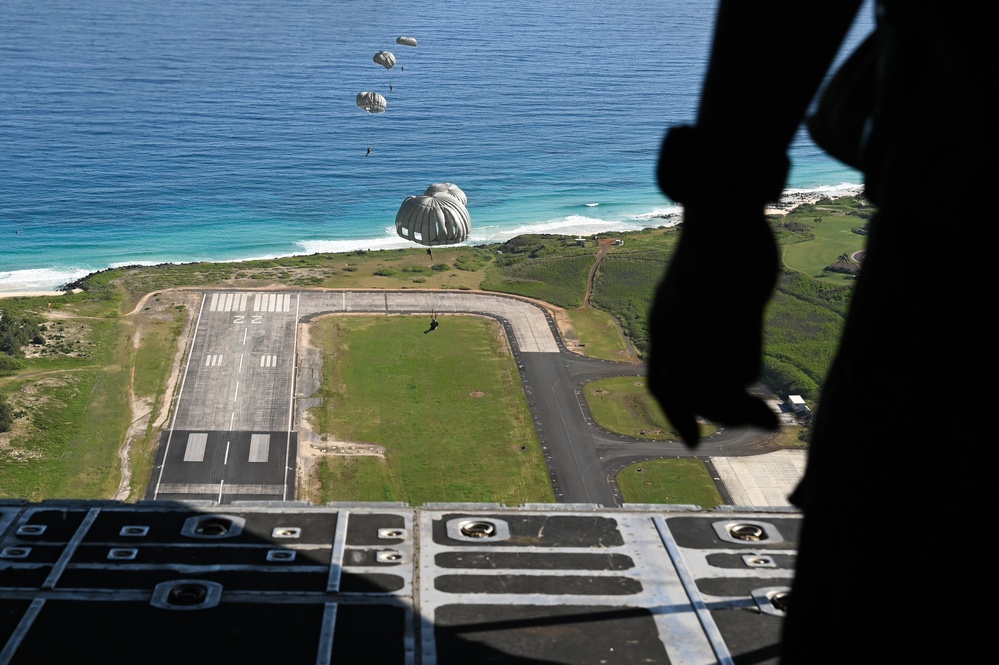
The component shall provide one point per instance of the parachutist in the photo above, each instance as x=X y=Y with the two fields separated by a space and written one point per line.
x=368 y=152
x=433 y=325
x=430 y=252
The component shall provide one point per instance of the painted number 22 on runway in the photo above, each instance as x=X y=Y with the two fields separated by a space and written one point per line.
x=256 y=318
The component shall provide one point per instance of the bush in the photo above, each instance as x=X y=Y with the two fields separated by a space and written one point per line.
x=9 y=364
x=15 y=332
x=6 y=416
x=385 y=272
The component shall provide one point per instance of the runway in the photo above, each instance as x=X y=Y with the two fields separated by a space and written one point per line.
x=232 y=437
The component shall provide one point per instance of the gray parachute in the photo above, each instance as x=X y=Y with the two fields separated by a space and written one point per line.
x=434 y=219
x=385 y=58
x=406 y=41
x=371 y=102
x=447 y=188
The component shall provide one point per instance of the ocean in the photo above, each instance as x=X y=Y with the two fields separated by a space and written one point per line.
x=134 y=132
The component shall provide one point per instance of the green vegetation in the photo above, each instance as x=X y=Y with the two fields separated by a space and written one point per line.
x=623 y=404
x=626 y=282
x=76 y=411
x=70 y=398
x=16 y=330
x=677 y=481
x=81 y=376
x=602 y=335
x=544 y=267
x=6 y=415
x=448 y=409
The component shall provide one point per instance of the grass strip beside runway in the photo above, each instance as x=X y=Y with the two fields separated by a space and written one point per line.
x=448 y=406
x=684 y=481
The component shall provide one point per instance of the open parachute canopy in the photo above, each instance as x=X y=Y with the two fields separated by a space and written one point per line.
x=438 y=217
x=385 y=58
x=406 y=41
x=447 y=188
x=371 y=102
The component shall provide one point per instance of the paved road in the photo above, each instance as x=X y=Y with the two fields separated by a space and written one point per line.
x=232 y=439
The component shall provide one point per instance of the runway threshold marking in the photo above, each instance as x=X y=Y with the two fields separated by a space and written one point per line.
x=260 y=445
x=195 y=451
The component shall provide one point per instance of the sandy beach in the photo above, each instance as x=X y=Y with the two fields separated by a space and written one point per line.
x=30 y=294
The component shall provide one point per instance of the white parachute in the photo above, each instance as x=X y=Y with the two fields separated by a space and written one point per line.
x=371 y=102
x=406 y=41
x=447 y=188
x=385 y=58
x=438 y=217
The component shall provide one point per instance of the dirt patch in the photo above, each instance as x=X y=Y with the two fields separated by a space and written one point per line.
x=565 y=327
x=63 y=335
x=156 y=307
x=476 y=393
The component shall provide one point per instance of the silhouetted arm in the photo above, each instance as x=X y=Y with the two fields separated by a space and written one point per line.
x=706 y=321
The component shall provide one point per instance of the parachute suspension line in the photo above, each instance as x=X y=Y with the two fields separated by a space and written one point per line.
x=447 y=285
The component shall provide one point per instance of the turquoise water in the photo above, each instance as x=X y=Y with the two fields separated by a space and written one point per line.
x=137 y=132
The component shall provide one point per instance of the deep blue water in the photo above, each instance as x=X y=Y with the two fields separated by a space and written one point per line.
x=139 y=132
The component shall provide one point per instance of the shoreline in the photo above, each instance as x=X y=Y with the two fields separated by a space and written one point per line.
x=792 y=198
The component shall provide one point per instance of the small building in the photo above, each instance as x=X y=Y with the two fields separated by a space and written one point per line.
x=619 y=242
x=581 y=242
x=797 y=403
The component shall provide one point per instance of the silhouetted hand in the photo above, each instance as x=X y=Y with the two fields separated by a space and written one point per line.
x=707 y=319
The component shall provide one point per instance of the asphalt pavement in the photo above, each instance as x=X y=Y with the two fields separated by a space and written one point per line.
x=232 y=437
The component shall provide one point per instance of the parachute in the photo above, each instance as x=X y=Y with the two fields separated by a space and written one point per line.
x=385 y=59
x=447 y=188
x=438 y=219
x=371 y=102
x=406 y=41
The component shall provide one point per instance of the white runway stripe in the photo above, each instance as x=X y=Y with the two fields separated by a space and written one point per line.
x=195 y=451
x=260 y=445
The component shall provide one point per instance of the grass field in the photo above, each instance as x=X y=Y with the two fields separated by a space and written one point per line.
x=833 y=237
x=71 y=400
x=685 y=481
x=73 y=412
x=448 y=407
x=600 y=335
x=623 y=404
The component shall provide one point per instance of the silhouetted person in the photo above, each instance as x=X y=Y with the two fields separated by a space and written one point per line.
x=430 y=253
x=368 y=152
x=433 y=325
x=915 y=337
